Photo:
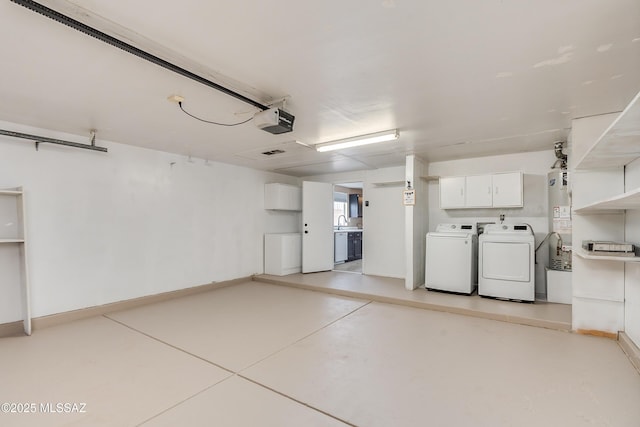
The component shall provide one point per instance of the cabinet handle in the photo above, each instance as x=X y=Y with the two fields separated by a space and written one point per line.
x=462 y=191
x=488 y=190
x=496 y=190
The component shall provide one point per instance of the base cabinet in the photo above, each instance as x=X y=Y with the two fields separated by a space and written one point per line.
x=354 y=247
x=282 y=253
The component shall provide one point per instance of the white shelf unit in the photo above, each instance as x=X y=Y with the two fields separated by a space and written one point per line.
x=610 y=143
x=622 y=202
x=13 y=210
x=586 y=255
x=618 y=144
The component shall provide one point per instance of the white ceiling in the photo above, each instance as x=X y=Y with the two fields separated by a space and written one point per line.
x=458 y=78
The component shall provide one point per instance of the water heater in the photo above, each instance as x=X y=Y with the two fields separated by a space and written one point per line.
x=559 y=214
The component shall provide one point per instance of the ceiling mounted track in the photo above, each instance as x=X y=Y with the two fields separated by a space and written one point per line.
x=43 y=139
x=63 y=19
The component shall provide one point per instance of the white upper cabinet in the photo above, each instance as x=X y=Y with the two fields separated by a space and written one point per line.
x=507 y=190
x=479 y=191
x=452 y=192
x=282 y=197
x=501 y=190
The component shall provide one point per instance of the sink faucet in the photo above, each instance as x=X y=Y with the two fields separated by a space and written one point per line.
x=345 y=221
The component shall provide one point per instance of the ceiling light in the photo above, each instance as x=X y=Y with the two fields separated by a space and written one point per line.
x=373 y=138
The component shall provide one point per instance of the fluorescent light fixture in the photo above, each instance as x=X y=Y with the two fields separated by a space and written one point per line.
x=389 y=135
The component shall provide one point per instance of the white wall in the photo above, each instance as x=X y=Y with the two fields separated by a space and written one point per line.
x=382 y=221
x=105 y=227
x=534 y=166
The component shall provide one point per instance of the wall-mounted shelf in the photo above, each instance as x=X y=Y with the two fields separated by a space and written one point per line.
x=618 y=145
x=18 y=238
x=628 y=200
x=390 y=184
x=585 y=255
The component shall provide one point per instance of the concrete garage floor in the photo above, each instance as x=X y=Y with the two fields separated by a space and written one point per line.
x=258 y=354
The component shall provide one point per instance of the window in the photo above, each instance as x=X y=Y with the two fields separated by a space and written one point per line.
x=340 y=206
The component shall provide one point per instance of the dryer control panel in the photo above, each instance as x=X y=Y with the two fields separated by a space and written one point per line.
x=507 y=228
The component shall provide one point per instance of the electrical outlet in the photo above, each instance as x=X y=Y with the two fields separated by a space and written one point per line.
x=175 y=98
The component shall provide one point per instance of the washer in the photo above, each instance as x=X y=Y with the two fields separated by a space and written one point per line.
x=451 y=258
x=506 y=262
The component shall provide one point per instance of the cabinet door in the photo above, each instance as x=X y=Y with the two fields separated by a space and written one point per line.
x=358 y=246
x=353 y=206
x=351 y=247
x=452 y=192
x=282 y=197
x=507 y=189
x=479 y=191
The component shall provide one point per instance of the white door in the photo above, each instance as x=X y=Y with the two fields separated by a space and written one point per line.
x=452 y=192
x=478 y=188
x=317 y=226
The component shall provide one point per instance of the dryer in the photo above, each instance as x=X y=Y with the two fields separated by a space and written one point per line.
x=451 y=258
x=506 y=262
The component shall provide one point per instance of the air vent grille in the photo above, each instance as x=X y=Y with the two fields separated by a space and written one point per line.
x=273 y=152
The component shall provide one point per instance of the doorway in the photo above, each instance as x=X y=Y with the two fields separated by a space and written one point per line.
x=348 y=230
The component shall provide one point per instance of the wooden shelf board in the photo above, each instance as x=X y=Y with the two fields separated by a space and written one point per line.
x=585 y=255
x=618 y=145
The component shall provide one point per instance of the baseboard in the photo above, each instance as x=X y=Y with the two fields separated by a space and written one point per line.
x=12 y=329
x=597 y=333
x=9 y=329
x=630 y=349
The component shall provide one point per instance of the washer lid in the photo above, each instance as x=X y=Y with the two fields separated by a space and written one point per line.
x=451 y=235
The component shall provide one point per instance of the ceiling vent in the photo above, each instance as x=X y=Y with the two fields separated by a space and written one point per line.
x=272 y=152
